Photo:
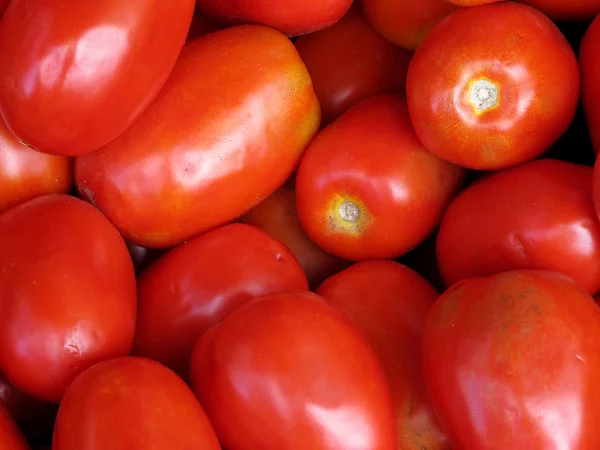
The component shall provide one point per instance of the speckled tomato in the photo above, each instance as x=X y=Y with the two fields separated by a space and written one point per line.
x=367 y=189
x=388 y=303
x=589 y=62
x=573 y=10
x=226 y=131
x=511 y=361
x=492 y=86
x=11 y=437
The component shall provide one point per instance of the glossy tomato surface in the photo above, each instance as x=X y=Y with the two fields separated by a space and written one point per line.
x=539 y=215
x=199 y=283
x=511 y=361
x=226 y=131
x=350 y=61
x=67 y=293
x=405 y=22
x=287 y=371
x=589 y=62
x=574 y=10
x=76 y=74
x=367 y=189
x=489 y=97
x=388 y=303
x=11 y=437
x=26 y=174
x=131 y=404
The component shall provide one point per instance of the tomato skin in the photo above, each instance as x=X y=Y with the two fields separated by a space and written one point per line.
x=148 y=182
x=26 y=174
x=510 y=361
x=589 y=62
x=365 y=159
x=522 y=56
x=199 y=283
x=62 y=99
x=3 y=6
x=567 y=10
x=131 y=403
x=534 y=216
x=67 y=293
x=291 y=17
x=405 y=22
x=388 y=303
x=11 y=437
x=317 y=381
x=349 y=62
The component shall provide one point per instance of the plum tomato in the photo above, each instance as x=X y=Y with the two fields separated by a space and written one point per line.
x=589 y=62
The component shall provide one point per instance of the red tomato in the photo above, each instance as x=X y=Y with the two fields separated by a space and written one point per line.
x=11 y=437
x=131 y=404
x=26 y=174
x=349 y=62
x=494 y=95
x=226 y=132
x=3 y=6
x=511 y=361
x=287 y=371
x=199 y=283
x=388 y=303
x=534 y=216
x=596 y=186
x=367 y=189
x=277 y=216
x=405 y=22
x=292 y=17
x=67 y=293
x=574 y=10
x=589 y=61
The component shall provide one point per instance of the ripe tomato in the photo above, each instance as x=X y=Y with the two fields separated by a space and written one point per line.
x=388 y=303
x=199 y=283
x=11 y=437
x=349 y=62
x=76 y=74
x=131 y=404
x=367 y=189
x=573 y=10
x=511 y=361
x=405 y=22
x=492 y=86
x=589 y=61
x=277 y=216
x=3 y=5
x=535 y=216
x=292 y=17
x=26 y=174
x=287 y=371
x=226 y=132
x=67 y=293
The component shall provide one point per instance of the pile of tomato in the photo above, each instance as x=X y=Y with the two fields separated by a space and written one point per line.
x=299 y=225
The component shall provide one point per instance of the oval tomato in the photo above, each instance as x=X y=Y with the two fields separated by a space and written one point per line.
x=567 y=10
x=199 y=283
x=160 y=410
x=367 y=189
x=388 y=303
x=287 y=371
x=277 y=217
x=226 y=132
x=290 y=17
x=11 y=437
x=535 y=216
x=76 y=74
x=405 y=22
x=511 y=361
x=349 y=61
x=489 y=97
x=26 y=174
x=67 y=293
x=589 y=62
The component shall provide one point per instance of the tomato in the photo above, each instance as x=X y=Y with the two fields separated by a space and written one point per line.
x=160 y=410
x=367 y=189
x=26 y=174
x=388 y=303
x=67 y=293
x=11 y=437
x=405 y=22
x=3 y=6
x=574 y=10
x=291 y=17
x=511 y=361
x=277 y=216
x=495 y=95
x=535 y=216
x=75 y=74
x=349 y=62
x=589 y=61
x=199 y=283
x=226 y=132
x=287 y=371
x=596 y=186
